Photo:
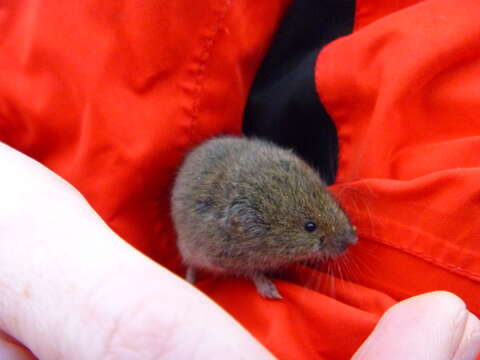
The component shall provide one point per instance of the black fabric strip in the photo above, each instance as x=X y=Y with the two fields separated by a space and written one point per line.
x=283 y=105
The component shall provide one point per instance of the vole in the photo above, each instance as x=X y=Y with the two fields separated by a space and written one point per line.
x=248 y=207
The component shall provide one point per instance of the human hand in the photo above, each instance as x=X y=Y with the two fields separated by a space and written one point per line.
x=433 y=326
x=71 y=289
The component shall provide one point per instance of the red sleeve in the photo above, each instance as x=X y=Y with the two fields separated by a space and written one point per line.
x=404 y=94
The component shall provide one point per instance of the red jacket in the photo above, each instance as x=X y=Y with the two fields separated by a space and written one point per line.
x=111 y=95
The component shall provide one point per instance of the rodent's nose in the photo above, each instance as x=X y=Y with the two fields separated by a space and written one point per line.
x=351 y=237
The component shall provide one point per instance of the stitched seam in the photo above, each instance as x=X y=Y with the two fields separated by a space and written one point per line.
x=446 y=265
x=201 y=63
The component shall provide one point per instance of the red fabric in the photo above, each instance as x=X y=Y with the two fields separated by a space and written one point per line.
x=111 y=94
x=368 y=11
x=404 y=95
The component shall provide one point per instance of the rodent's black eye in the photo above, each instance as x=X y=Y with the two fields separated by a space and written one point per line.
x=310 y=226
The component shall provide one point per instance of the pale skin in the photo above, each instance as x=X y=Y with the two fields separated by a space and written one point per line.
x=70 y=288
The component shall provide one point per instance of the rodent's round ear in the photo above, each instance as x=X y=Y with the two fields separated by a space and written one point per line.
x=241 y=217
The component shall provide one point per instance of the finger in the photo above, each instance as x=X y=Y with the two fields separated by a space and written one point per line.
x=429 y=326
x=71 y=289
x=469 y=346
x=12 y=350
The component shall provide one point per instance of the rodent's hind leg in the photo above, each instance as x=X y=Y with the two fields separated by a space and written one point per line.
x=266 y=287
x=190 y=275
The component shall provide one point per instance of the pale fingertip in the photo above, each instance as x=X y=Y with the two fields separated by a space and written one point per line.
x=428 y=326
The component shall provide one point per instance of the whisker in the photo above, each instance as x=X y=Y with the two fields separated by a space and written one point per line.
x=331 y=280
x=347 y=261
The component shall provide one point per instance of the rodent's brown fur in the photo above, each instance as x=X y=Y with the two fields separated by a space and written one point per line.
x=240 y=205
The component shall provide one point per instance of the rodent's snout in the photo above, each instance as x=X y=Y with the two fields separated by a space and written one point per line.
x=351 y=236
x=338 y=243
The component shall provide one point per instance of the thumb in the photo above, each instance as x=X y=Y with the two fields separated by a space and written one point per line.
x=431 y=326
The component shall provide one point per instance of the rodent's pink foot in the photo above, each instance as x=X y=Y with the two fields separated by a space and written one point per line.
x=190 y=275
x=266 y=287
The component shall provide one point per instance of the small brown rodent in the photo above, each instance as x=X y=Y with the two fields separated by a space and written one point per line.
x=248 y=207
